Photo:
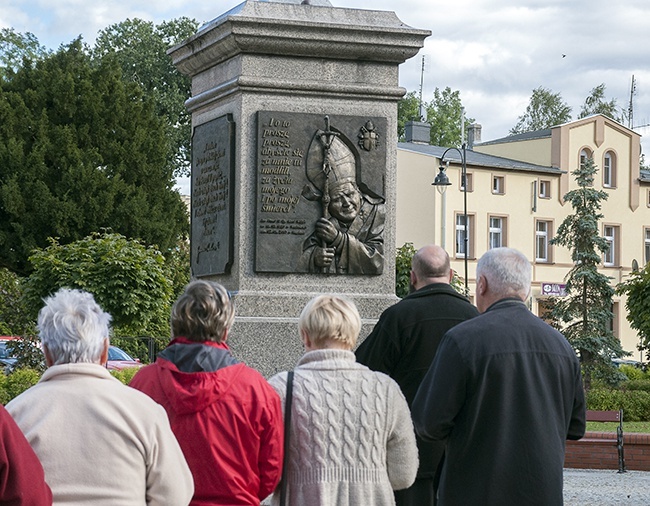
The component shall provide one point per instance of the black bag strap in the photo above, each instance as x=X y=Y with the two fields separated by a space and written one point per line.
x=287 y=430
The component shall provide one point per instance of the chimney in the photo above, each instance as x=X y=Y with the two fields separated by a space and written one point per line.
x=473 y=135
x=417 y=132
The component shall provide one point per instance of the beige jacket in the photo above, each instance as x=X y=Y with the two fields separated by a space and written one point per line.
x=101 y=442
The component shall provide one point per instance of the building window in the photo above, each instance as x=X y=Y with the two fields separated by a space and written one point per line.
x=464 y=247
x=647 y=245
x=543 y=236
x=497 y=232
x=585 y=154
x=611 y=234
x=609 y=170
x=498 y=185
x=544 y=189
x=544 y=309
x=470 y=181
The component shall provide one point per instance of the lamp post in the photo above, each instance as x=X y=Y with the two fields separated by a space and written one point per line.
x=442 y=181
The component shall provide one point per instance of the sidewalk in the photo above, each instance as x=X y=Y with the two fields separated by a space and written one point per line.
x=597 y=487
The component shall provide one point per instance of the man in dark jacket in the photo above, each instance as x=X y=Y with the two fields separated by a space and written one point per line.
x=504 y=392
x=404 y=343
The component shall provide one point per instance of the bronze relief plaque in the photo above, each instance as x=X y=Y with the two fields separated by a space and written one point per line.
x=213 y=177
x=319 y=193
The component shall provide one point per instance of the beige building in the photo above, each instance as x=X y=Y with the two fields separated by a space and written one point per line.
x=515 y=189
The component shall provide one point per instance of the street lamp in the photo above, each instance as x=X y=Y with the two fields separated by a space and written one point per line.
x=442 y=181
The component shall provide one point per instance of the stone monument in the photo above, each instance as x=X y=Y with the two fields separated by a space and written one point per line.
x=294 y=115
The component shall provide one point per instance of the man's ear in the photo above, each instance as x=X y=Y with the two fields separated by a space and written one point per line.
x=104 y=356
x=413 y=277
x=48 y=358
x=481 y=285
x=451 y=275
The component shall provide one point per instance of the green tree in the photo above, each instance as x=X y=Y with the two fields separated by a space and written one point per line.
x=13 y=314
x=637 y=288
x=81 y=150
x=545 y=109
x=408 y=109
x=443 y=113
x=584 y=315
x=596 y=103
x=128 y=280
x=16 y=48
x=140 y=48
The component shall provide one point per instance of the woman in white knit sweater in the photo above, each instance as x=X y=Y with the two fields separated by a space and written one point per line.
x=351 y=440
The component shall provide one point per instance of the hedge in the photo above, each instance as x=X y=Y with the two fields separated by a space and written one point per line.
x=634 y=403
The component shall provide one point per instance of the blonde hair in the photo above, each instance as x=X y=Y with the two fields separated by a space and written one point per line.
x=204 y=312
x=329 y=317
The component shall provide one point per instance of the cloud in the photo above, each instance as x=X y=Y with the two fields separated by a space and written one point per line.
x=494 y=53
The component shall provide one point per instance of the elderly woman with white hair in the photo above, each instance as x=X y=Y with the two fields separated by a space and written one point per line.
x=100 y=442
x=351 y=440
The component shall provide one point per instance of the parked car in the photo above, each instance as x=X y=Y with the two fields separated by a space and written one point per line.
x=118 y=359
x=7 y=361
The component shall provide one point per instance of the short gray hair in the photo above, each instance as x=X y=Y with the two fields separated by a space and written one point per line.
x=73 y=327
x=330 y=317
x=507 y=271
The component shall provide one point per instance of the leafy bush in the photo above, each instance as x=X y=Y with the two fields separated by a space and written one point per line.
x=125 y=375
x=632 y=373
x=634 y=403
x=640 y=384
x=17 y=382
x=403 y=269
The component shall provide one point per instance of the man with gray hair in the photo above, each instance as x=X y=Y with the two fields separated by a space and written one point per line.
x=504 y=392
x=404 y=343
x=100 y=442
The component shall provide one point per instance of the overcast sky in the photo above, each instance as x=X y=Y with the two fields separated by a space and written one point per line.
x=495 y=52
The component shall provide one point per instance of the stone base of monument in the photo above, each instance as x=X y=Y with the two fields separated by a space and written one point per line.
x=271 y=344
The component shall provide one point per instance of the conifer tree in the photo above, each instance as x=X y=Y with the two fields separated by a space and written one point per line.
x=584 y=315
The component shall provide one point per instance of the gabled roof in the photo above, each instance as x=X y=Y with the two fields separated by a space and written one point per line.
x=478 y=159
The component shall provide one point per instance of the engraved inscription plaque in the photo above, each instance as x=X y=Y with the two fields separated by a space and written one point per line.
x=319 y=193
x=213 y=174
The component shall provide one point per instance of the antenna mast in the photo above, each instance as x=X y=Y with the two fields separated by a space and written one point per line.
x=630 y=109
x=422 y=118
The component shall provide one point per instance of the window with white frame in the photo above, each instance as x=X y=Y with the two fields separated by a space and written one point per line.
x=497 y=232
x=463 y=246
x=544 y=189
x=647 y=245
x=543 y=232
x=609 y=170
x=498 y=185
x=611 y=234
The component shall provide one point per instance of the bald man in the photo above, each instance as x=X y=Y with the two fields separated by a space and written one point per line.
x=504 y=393
x=404 y=343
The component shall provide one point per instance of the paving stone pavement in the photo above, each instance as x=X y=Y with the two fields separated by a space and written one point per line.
x=598 y=487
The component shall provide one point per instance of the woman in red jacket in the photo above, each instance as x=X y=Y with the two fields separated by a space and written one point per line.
x=226 y=417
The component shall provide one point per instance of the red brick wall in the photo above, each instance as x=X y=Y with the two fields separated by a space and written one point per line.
x=604 y=455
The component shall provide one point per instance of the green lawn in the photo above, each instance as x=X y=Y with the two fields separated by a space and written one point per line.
x=611 y=427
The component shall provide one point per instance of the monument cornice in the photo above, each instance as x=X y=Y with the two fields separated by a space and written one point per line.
x=299 y=30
